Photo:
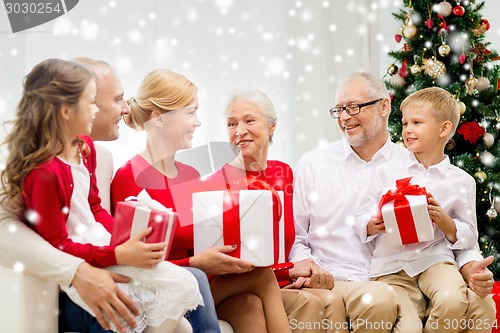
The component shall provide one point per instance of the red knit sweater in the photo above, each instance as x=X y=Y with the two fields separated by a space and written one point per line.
x=47 y=192
x=137 y=174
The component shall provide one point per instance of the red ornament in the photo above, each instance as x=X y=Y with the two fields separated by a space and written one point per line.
x=403 y=71
x=443 y=24
x=429 y=23
x=398 y=37
x=458 y=11
x=486 y=24
x=471 y=131
x=462 y=58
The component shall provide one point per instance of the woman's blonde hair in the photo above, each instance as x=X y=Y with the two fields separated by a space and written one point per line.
x=162 y=90
x=37 y=136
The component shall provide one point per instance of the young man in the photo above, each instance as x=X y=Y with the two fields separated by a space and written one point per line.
x=331 y=184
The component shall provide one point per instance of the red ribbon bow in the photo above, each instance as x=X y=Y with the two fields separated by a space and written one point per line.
x=231 y=216
x=404 y=217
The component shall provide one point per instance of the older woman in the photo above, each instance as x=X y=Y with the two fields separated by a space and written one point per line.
x=166 y=106
x=251 y=122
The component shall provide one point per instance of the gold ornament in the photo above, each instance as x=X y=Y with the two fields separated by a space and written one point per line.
x=392 y=69
x=471 y=84
x=410 y=30
x=481 y=176
x=415 y=69
x=497 y=206
x=461 y=107
x=479 y=30
x=434 y=68
x=444 y=50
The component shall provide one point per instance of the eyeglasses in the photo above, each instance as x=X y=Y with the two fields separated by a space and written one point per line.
x=351 y=109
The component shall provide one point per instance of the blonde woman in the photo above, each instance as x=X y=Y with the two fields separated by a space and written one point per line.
x=166 y=106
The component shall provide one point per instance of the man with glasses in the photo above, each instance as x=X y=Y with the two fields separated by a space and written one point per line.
x=331 y=182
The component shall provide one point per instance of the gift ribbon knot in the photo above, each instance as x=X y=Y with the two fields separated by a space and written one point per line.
x=402 y=210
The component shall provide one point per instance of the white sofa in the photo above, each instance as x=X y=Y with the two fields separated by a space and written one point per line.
x=30 y=305
x=27 y=304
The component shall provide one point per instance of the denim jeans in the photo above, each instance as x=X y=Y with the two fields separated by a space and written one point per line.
x=76 y=319
x=203 y=318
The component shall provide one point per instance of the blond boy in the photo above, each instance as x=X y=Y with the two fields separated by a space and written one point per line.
x=427 y=270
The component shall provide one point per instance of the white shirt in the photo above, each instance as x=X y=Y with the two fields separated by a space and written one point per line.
x=81 y=225
x=454 y=190
x=330 y=184
x=104 y=174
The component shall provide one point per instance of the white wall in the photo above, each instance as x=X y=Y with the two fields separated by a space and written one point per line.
x=295 y=51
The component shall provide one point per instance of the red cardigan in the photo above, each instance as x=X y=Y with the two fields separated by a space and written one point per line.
x=279 y=176
x=137 y=174
x=47 y=191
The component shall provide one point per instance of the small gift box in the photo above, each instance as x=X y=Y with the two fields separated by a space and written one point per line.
x=405 y=215
x=247 y=218
x=135 y=214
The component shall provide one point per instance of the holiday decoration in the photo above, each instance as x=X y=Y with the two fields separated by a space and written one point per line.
x=248 y=218
x=469 y=70
x=480 y=176
x=458 y=11
x=415 y=69
x=471 y=84
x=462 y=58
x=488 y=140
x=444 y=8
x=397 y=81
x=486 y=24
x=482 y=83
x=481 y=28
x=479 y=50
x=405 y=214
x=461 y=107
x=434 y=68
x=392 y=69
x=444 y=50
x=471 y=131
x=399 y=34
x=410 y=30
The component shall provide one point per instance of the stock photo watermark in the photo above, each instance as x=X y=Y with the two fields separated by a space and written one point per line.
x=24 y=14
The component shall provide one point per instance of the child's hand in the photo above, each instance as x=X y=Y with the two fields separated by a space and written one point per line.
x=375 y=226
x=135 y=252
x=436 y=213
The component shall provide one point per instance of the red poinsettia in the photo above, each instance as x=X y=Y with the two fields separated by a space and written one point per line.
x=471 y=131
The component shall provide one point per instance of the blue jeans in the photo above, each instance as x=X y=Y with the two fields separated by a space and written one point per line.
x=76 y=319
x=203 y=319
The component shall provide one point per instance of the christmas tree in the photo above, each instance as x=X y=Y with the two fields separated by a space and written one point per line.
x=443 y=44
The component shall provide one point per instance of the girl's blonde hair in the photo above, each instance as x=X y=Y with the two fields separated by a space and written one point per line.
x=162 y=90
x=36 y=136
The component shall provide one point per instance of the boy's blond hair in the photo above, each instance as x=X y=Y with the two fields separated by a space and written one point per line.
x=442 y=104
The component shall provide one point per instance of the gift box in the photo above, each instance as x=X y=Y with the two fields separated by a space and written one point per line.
x=134 y=215
x=405 y=214
x=248 y=218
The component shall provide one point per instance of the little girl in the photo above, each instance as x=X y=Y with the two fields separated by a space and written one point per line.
x=49 y=176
